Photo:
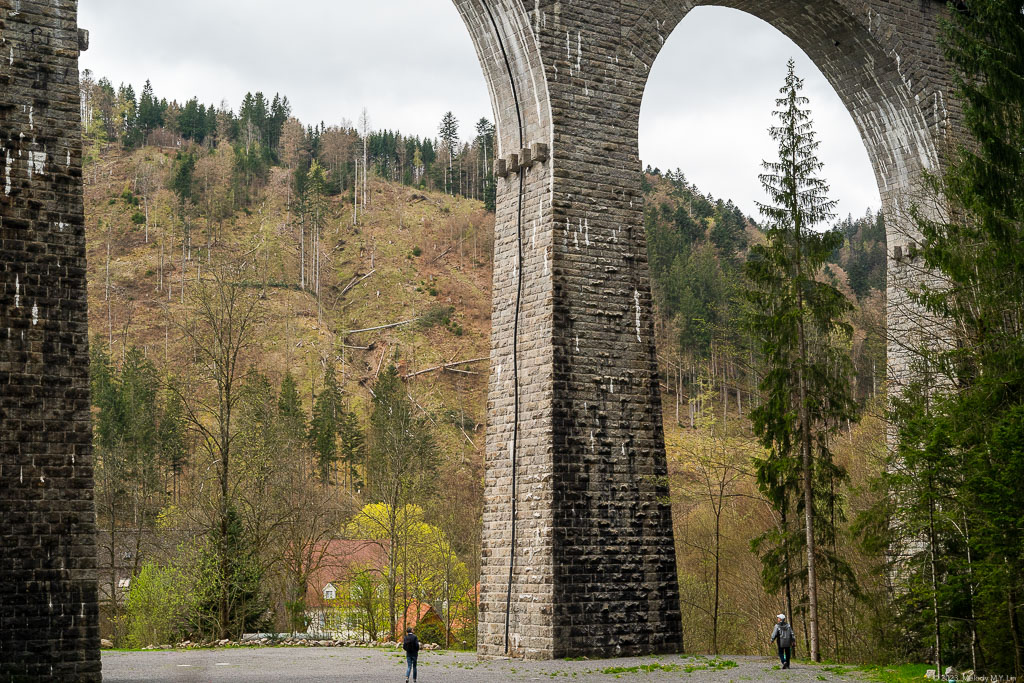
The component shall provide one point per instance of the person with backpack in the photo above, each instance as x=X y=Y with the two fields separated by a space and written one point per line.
x=411 y=645
x=783 y=632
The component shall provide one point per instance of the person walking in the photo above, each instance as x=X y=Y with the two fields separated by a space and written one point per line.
x=411 y=645
x=783 y=633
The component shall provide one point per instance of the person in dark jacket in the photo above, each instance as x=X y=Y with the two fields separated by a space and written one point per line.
x=411 y=645
x=783 y=632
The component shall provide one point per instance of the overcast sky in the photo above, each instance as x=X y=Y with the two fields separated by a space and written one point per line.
x=707 y=107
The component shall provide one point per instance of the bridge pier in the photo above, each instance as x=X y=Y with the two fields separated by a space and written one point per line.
x=578 y=556
x=49 y=620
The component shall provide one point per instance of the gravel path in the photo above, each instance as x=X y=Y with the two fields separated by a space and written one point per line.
x=360 y=664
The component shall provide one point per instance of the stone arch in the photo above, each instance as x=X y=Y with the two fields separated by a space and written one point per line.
x=884 y=63
x=506 y=46
x=878 y=74
x=577 y=530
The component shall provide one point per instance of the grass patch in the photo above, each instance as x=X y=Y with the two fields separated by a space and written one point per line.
x=640 y=668
x=689 y=666
x=838 y=669
x=896 y=673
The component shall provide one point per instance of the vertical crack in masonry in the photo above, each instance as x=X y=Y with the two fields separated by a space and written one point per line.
x=515 y=325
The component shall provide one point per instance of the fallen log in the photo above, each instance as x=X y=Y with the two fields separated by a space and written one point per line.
x=355 y=282
x=382 y=327
x=449 y=366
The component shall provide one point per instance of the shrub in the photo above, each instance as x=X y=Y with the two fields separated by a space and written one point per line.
x=437 y=315
x=156 y=607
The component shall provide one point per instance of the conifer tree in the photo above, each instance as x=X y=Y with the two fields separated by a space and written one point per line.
x=449 y=132
x=325 y=425
x=799 y=319
x=960 y=463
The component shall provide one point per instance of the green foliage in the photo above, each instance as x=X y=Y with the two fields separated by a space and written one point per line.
x=291 y=417
x=157 y=606
x=151 y=111
x=863 y=256
x=196 y=121
x=366 y=602
x=183 y=176
x=326 y=424
x=421 y=560
x=437 y=314
x=799 y=320
x=402 y=455
x=694 y=245
x=956 y=474
x=131 y=431
x=171 y=442
x=248 y=605
x=902 y=673
x=352 y=449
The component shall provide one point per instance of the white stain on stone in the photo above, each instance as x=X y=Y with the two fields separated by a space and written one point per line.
x=611 y=385
x=10 y=58
x=31 y=117
x=579 y=52
x=568 y=51
x=577 y=343
x=67 y=162
x=593 y=442
x=7 y=172
x=17 y=294
x=497 y=373
x=36 y=163
x=636 y=300
x=35 y=314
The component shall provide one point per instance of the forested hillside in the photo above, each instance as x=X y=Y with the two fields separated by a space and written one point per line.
x=262 y=310
x=290 y=338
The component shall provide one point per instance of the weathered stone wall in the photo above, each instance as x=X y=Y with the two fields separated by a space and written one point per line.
x=48 y=609
x=576 y=478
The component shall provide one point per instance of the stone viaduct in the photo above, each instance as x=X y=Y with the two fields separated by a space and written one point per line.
x=578 y=549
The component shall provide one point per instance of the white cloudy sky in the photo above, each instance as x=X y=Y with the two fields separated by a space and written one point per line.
x=706 y=109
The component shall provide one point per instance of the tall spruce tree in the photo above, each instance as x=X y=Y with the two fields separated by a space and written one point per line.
x=449 y=131
x=798 y=319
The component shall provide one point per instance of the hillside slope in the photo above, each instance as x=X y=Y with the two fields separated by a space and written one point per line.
x=413 y=255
